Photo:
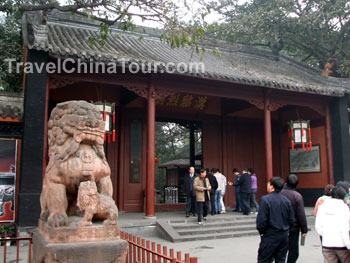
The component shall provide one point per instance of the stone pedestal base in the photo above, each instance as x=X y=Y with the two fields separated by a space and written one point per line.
x=111 y=251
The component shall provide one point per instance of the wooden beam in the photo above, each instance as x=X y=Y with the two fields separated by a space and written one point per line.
x=268 y=138
x=329 y=146
x=150 y=173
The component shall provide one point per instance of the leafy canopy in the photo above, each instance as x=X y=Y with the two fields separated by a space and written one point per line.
x=314 y=31
x=180 y=25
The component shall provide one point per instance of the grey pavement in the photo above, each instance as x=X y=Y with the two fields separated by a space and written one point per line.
x=241 y=249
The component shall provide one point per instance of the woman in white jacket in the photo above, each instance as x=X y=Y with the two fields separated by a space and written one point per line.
x=333 y=225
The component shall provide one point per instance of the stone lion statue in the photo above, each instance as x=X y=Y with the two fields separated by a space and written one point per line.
x=96 y=205
x=76 y=154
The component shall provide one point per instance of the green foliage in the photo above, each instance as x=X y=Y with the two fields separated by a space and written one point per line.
x=171 y=140
x=9 y=229
x=10 y=46
x=166 y=14
x=314 y=31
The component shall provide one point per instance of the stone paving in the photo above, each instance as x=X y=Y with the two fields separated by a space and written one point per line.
x=241 y=249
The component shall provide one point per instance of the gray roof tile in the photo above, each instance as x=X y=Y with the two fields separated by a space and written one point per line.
x=11 y=105
x=65 y=36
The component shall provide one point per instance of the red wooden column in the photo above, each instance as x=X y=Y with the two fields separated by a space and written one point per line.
x=268 y=138
x=329 y=146
x=150 y=173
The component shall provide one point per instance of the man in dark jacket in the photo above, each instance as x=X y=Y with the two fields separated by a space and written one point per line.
x=275 y=217
x=237 y=175
x=214 y=185
x=300 y=220
x=245 y=188
x=190 y=193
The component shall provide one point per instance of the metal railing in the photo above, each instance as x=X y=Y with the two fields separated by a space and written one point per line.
x=17 y=239
x=139 y=250
x=145 y=251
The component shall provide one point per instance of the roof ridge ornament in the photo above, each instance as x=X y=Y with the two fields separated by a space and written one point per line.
x=34 y=28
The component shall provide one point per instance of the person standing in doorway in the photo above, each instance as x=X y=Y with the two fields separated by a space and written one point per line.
x=218 y=177
x=253 y=202
x=190 y=193
x=275 y=217
x=245 y=184
x=202 y=188
x=300 y=223
x=214 y=185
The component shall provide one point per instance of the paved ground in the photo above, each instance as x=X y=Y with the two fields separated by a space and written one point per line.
x=243 y=249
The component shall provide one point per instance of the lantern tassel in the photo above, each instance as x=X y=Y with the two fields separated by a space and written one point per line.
x=310 y=133
x=113 y=117
x=310 y=145
x=105 y=136
x=291 y=132
x=292 y=145
x=104 y=115
x=113 y=135
x=302 y=131
x=303 y=146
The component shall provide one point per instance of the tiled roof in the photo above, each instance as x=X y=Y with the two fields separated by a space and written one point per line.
x=65 y=36
x=178 y=163
x=11 y=105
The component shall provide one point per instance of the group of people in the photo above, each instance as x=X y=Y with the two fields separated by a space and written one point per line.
x=281 y=219
x=202 y=189
x=332 y=222
x=209 y=187
x=246 y=186
x=281 y=214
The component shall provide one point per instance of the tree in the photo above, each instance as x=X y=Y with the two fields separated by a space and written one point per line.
x=10 y=46
x=165 y=14
x=314 y=31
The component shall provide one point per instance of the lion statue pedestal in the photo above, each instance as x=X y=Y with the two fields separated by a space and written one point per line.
x=78 y=221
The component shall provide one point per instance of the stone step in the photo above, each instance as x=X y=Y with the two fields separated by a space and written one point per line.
x=181 y=230
x=215 y=236
x=212 y=224
x=205 y=229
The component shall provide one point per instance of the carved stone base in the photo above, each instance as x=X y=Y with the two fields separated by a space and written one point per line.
x=73 y=233
x=111 y=251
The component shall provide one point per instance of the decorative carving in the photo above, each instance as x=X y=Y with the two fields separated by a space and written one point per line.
x=61 y=82
x=75 y=138
x=141 y=91
x=157 y=94
x=96 y=205
x=162 y=94
x=259 y=103
x=275 y=106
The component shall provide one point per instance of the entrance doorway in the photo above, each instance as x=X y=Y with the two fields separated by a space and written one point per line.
x=178 y=146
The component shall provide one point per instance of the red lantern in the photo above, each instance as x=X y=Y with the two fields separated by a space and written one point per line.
x=300 y=133
x=107 y=111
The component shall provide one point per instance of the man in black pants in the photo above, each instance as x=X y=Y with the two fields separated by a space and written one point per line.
x=214 y=185
x=275 y=217
x=300 y=220
x=245 y=183
x=191 y=205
